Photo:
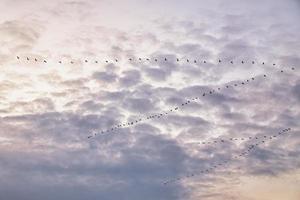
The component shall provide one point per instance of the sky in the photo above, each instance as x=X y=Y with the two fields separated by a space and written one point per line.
x=53 y=110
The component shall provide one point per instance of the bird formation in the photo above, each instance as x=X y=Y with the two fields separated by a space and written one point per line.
x=172 y=110
x=195 y=61
x=229 y=140
x=223 y=163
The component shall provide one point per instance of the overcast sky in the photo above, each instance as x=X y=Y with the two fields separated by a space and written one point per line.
x=49 y=109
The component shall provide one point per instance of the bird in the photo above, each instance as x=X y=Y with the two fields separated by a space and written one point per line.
x=252 y=62
x=130 y=59
x=27 y=58
x=204 y=61
x=45 y=61
x=187 y=60
x=96 y=61
x=86 y=61
x=59 y=62
x=242 y=62
x=220 y=61
x=195 y=61
x=18 y=57
x=165 y=59
x=177 y=59
x=35 y=60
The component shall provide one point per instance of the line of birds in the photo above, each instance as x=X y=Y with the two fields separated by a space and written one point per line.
x=172 y=110
x=195 y=61
x=228 y=140
x=221 y=164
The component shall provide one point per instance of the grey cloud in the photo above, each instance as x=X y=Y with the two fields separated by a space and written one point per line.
x=156 y=74
x=138 y=105
x=104 y=76
x=130 y=78
x=296 y=91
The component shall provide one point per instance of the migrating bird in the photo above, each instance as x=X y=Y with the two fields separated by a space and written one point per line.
x=18 y=57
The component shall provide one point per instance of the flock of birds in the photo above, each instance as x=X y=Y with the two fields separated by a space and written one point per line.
x=258 y=140
x=172 y=110
x=80 y=61
x=227 y=161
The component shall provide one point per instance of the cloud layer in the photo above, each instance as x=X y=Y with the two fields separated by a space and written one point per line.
x=47 y=110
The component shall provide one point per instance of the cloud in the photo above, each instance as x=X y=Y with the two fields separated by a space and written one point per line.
x=48 y=110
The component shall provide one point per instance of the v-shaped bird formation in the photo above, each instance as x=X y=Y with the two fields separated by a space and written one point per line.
x=221 y=165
